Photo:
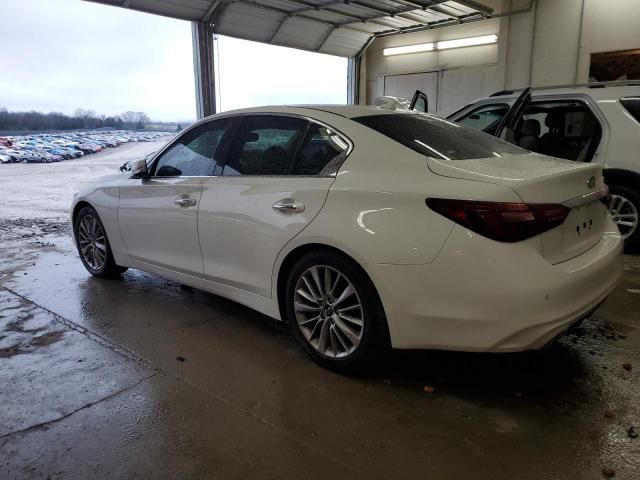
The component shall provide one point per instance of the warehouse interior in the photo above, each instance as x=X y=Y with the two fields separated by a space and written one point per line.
x=535 y=42
x=143 y=377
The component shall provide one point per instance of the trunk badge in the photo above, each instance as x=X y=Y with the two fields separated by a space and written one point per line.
x=591 y=182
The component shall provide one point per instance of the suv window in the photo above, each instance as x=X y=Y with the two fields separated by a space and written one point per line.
x=632 y=105
x=264 y=145
x=486 y=118
x=434 y=137
x=560 y=128
x=195 y=154
x=322 y=152
x=421 y=105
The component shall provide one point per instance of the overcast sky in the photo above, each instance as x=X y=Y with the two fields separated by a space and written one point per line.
x=59 y=55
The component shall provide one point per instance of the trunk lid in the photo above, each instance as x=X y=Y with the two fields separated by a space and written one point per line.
x=539 y=179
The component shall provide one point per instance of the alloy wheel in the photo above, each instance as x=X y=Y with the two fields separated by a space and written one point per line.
x=92 y=242
x=624 y=214
x=328 y=311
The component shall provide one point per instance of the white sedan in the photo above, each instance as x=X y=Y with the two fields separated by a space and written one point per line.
x=364 y=228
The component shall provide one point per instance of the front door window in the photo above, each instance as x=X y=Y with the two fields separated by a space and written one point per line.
x=486 y=118
x=196 y=154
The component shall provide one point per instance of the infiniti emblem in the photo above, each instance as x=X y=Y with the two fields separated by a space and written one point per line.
x=591 y=182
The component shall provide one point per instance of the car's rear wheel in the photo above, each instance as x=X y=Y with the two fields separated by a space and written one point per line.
x=93 y=245
x=624 y=208
x=335 y=312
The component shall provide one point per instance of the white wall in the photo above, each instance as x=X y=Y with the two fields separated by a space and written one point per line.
x=608 y=26
x=549 y=45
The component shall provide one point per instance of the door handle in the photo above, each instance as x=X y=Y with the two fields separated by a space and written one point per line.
x=185 y=201
x=288 y=205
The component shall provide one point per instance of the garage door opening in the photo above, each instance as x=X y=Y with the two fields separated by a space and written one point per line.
x=252 y=74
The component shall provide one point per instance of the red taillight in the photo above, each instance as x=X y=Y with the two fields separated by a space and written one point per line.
x=504 y=222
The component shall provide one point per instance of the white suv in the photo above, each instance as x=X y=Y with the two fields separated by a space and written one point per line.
x=597 y=122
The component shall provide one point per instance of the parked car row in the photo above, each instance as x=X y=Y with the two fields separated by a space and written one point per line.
x=55 y=147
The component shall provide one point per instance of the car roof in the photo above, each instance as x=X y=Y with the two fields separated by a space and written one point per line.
x=347 y=111
x=597 y=91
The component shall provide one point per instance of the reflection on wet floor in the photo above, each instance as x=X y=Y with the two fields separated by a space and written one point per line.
x=24 y=328
x=552 y=401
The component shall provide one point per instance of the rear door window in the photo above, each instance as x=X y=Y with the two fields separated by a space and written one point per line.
x=322 y=152
x=264 y=145
x=560 y=128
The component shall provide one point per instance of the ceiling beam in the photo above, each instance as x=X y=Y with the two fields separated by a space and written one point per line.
x=212 y=9
x=471 y=17
x=308 y=7
x=279 y=27
x=403 y=12
x=476 y=6
x=269 y=8
x=324 y=39
x=380 y=15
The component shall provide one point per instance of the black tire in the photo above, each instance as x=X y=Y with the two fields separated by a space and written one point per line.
x=632 y=242
x=374 y=343
x=108 y=268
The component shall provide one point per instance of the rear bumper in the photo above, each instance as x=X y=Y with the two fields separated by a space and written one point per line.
x=480 y=295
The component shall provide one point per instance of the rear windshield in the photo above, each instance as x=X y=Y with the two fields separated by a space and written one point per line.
x=438 y=138
x=632 y=104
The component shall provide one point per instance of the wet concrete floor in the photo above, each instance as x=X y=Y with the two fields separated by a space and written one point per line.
x=138 y=378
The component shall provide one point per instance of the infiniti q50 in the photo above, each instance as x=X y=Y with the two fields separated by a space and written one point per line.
x=363 y=228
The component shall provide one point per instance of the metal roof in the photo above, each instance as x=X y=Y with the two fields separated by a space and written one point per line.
x=336 y=27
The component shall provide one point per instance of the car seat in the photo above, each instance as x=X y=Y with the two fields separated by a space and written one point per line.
x=530 y=135
x=275 y=161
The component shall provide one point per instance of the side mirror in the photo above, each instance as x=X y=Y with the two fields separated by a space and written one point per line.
x=138 y=168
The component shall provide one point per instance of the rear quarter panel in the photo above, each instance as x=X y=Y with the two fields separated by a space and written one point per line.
x=376 y=210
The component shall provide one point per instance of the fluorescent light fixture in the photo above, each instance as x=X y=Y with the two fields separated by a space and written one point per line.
x=421 y=47
x=467 y=42
x=444 y=45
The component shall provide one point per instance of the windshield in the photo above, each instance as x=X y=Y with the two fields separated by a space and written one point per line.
x=434 y=137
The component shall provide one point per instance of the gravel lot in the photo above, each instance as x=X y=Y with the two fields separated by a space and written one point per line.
x=44 y=190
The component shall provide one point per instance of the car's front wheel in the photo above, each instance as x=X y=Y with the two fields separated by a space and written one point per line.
x=335 y=312
x=93 y=245
x=624 y=208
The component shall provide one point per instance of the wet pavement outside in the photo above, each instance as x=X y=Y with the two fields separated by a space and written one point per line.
x=139 y=378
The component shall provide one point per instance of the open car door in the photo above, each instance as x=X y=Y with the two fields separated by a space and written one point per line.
x=419 y=102
x=507 y=126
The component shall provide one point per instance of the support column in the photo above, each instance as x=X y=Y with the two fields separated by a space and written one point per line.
x=353 y=81
x=204 y=68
